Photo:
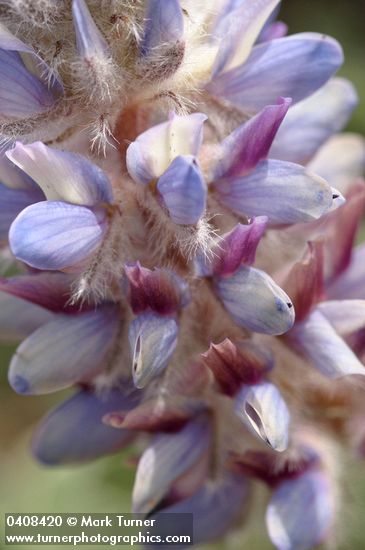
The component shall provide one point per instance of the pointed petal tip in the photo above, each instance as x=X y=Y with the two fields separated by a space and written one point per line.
x=89 y=40
x=164 y=24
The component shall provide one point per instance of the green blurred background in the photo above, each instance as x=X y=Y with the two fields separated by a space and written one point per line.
x=105 y=485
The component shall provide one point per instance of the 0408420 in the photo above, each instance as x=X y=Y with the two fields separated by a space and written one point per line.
x=32 y=520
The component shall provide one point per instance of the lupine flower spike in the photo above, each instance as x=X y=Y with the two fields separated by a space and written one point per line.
x=179 y=211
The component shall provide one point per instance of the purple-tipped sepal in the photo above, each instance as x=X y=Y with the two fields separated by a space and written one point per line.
x=243 y=149
x=158 y=290
x=237 y=363
x=238 y=247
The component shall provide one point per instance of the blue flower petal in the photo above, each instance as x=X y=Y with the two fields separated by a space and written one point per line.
x=238 y=27
x=216 y=507
x=183 y=190
x=324 y=348
x=153 y=340
x=152 y=152
x=66 y=350
x=62 y=175
x=255 y=301
x=25 y=89
x=282 y=191
x=301 y=512
x=74 y=431
x=264 y=411
x=166 y=458
x=19 y=318
x=89 y=40
x=294 y=66
x=12 y=202
x=164 y=25
x=312 y=121
x=57 y=235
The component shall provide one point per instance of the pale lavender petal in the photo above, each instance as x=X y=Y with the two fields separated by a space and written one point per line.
x=166 y=458
x=24 y=93
x=183 y=190
x=312 y=121
x=74 y=432
x=294 y=66
x=69 y=349
x=90 y=42
x=152 y=152
x=282 y=191
x=263 y=410
x=345 y=316
x=19 y=318
x=341 y=160
x=301 y=512
x=328 y=352
x=12 y=176
x=153 y=340
x=57 y=235
x=12 y=202
x=249 y=143
x=216 y=507
x=255 y=301
x=62 y=175
x=164 y=25
x=237 y=28
x=350 y=285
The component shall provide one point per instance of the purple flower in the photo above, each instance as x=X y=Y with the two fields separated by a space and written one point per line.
x=27 y=88
x=181 y=214
x=64 y=231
